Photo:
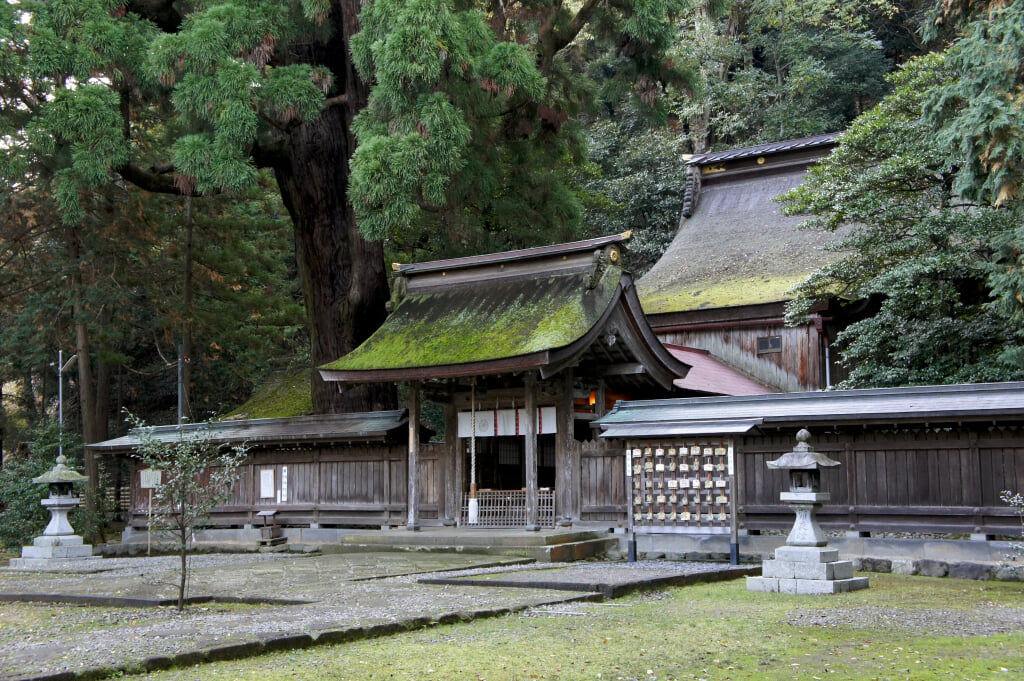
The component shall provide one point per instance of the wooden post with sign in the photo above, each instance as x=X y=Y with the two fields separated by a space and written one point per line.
x=149 y=479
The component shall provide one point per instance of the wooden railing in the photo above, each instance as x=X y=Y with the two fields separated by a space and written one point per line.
x=507 y=508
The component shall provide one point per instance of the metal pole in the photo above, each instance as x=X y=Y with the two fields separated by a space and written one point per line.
x=60 y=403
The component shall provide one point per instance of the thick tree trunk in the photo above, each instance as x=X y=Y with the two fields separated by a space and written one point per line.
x=103 y=380
x=342 y=273
x=3 y=423
x=27 y=397
x=86 y=384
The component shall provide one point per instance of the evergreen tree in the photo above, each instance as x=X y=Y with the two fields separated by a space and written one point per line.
x=191 y=99
x=473 y=127
x=771 y=70
x=925 y=249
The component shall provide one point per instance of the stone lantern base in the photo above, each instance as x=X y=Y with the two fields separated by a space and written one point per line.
x=47 y=551
x=806 y=570
x=58 y=543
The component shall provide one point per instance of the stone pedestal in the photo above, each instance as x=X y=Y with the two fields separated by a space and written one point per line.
x=47 y=550
x=58 y=543
x=806 y=570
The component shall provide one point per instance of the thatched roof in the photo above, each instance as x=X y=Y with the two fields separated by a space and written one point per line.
x=736 y=248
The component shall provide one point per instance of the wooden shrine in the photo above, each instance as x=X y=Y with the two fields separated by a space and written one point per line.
x=525 y=349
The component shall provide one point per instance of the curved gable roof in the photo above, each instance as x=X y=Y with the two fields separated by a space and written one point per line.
x=495 y=321
x=533 y=309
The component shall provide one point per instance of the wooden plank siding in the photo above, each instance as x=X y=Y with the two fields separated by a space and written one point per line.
x=330 y=486
x=945 y=480
x=901 y=480
x=799 y=365
x=602 y=482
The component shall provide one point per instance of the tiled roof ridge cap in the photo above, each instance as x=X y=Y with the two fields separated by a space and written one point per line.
x=767 y=148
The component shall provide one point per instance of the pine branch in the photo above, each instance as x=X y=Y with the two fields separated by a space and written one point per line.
x=577 y=24
x=156 y=179
x=335 y=101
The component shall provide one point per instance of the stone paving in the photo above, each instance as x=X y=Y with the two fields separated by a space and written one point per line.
x=331 y=598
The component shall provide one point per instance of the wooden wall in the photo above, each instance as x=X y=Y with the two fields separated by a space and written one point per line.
x=602 y=477
x=929 y=480
x=362 y=485
x=800 y=365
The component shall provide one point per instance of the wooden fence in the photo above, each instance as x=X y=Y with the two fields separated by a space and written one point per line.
x=507 y=508
x=361 y=486
x=924 y=480
x=900 y=480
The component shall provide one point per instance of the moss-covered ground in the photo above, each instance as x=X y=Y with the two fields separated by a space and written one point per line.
x=901 y=628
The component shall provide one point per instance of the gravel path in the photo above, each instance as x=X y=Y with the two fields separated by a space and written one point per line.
x=354 y=590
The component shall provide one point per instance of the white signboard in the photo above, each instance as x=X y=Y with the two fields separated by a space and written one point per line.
x=149 y=478
x=266 y=483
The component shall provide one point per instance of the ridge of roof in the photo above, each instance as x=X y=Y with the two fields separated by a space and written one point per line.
x=828 y=139
x=512 y=256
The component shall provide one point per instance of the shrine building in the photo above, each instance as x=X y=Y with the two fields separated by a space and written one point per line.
x=524 y=349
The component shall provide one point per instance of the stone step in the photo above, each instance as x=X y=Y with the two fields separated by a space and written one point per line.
x=481 y=537
x=545 y=553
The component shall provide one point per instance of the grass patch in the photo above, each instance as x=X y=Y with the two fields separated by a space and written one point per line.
x=28 y=621
x=901 y=628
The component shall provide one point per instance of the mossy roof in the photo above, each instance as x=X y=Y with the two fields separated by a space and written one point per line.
x=486 y=321
x=736 y=249
x=280 y=396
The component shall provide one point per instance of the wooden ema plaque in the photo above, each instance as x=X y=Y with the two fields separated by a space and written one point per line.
x=681 y=486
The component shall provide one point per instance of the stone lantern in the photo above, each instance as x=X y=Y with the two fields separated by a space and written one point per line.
x=805 y=564
x=58 y=541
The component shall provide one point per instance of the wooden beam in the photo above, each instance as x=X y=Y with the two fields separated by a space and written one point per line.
x=565 y=492
x=623 y=369
x=412 y=494
x=452 y=469
x=530 y=451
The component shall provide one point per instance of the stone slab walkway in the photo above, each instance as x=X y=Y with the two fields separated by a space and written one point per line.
x=306 y=600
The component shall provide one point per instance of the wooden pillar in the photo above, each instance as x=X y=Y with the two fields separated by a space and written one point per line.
x=412 y=491
x=530 y=437
x=565 y=492
x=452 y=470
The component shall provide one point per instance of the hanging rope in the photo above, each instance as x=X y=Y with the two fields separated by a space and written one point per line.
x=472 y=440
x=473 y=509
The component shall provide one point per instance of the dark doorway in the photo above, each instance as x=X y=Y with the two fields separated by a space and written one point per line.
x=501 y=462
